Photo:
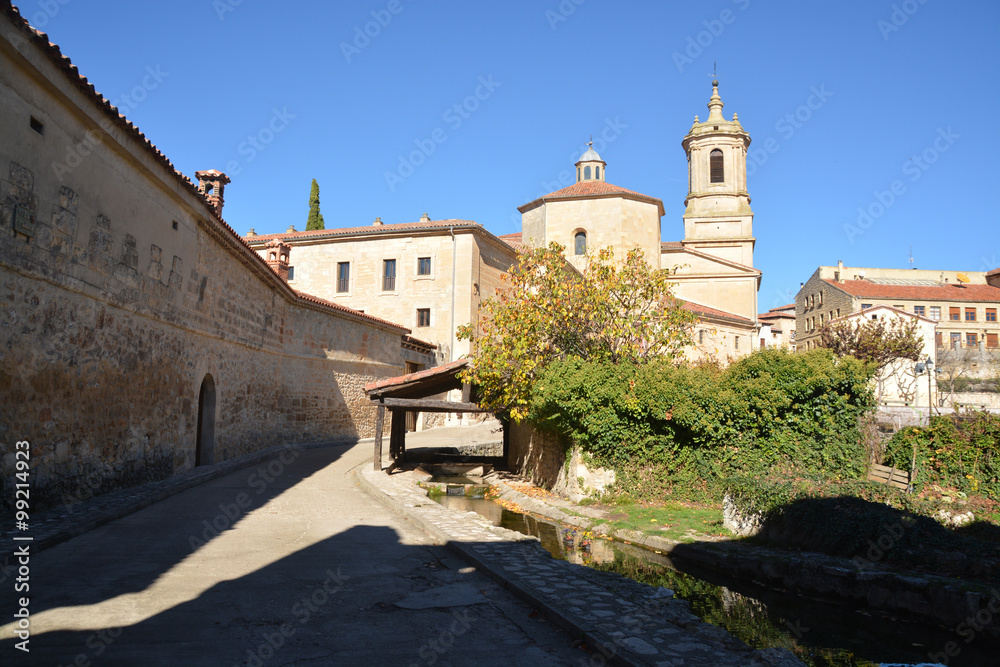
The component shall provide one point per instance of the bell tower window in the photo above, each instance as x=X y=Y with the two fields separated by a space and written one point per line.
x=717 y=173
x=586 y=173
x=580 y=243
x=597 y=173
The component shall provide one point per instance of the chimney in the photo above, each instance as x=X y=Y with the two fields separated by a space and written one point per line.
x=251 y=233
x=276 y=255
x=425 y=218
x=291 y=228
x=840 y=271
x=211 y=184
x=377 y=223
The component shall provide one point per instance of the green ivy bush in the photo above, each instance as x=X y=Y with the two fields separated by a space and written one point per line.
x=666 y=428
x=960 y=453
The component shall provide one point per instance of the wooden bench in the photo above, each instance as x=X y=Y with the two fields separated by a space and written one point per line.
x=889 y=475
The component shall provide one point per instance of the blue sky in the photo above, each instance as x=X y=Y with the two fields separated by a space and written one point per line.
x=881 y=106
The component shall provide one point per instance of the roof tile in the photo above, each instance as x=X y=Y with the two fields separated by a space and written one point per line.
x=943 y=292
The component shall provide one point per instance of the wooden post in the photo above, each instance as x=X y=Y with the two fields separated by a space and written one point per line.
x=466 y=392
x=379 y=421
x=397 y=432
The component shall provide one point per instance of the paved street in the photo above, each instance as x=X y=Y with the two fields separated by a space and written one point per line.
x=285 y=562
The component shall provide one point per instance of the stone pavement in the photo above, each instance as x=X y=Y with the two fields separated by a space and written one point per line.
x=625 y=621
x=287 y=561
x=284 y=562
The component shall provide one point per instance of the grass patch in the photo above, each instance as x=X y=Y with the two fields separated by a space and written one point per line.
x=680 y=522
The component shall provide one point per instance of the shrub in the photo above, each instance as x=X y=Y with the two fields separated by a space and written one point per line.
x=960 y=453
x=663 y=426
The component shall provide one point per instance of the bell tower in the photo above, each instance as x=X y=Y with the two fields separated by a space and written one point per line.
x=717 y=217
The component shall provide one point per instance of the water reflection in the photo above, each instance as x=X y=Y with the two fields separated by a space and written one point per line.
x=819 y=633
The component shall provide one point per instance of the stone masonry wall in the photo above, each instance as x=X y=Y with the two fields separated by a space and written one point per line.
x=128 y=294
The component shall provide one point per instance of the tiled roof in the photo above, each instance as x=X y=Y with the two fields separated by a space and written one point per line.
x=367 y=229
x=942 y=292
x=699 y=309
x=770 y=316
x=994 y=272
x=443 y=369
x=787 y=306
x=868 y=311
x=350 y=311
x=593 y=189
x=514 y=241
x=671 y=245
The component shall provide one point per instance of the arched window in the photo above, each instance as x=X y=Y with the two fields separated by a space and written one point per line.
x=716 y=170
x=580 y=243
x=577 y=173
x=597 y=173
x=586 y=173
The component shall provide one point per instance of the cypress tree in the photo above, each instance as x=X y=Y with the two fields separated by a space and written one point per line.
x=315 y=219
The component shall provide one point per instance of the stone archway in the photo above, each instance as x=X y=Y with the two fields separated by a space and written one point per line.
x=205 y=446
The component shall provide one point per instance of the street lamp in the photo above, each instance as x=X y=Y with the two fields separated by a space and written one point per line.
x=928 y=365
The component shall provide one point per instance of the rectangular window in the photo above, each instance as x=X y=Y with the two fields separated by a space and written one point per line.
x=937 y=339
x=737 y=341
x=954 y=314
x=970 y=314
x=935 y=312
x=388 y=275
x=956 y=340
x=343 y=277
x=291 y=273
x=701 y=336
x=992 y=340
x=971 y=340
x=919 y=310
x=991 y=314
x=423 y=266
x=865 y=305
x=423 y=317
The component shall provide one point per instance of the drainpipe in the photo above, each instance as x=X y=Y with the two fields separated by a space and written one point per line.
x=454 y=264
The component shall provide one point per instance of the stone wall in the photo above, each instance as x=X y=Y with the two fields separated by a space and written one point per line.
x=537 y=455
x=129 y=293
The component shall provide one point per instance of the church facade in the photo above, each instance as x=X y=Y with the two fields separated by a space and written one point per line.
x=432 y=275
x=712 y=265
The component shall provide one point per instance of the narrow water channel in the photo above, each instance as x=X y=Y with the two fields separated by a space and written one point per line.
x=820 y=633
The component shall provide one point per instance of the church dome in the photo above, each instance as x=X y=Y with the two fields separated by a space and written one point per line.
x=590 y=155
